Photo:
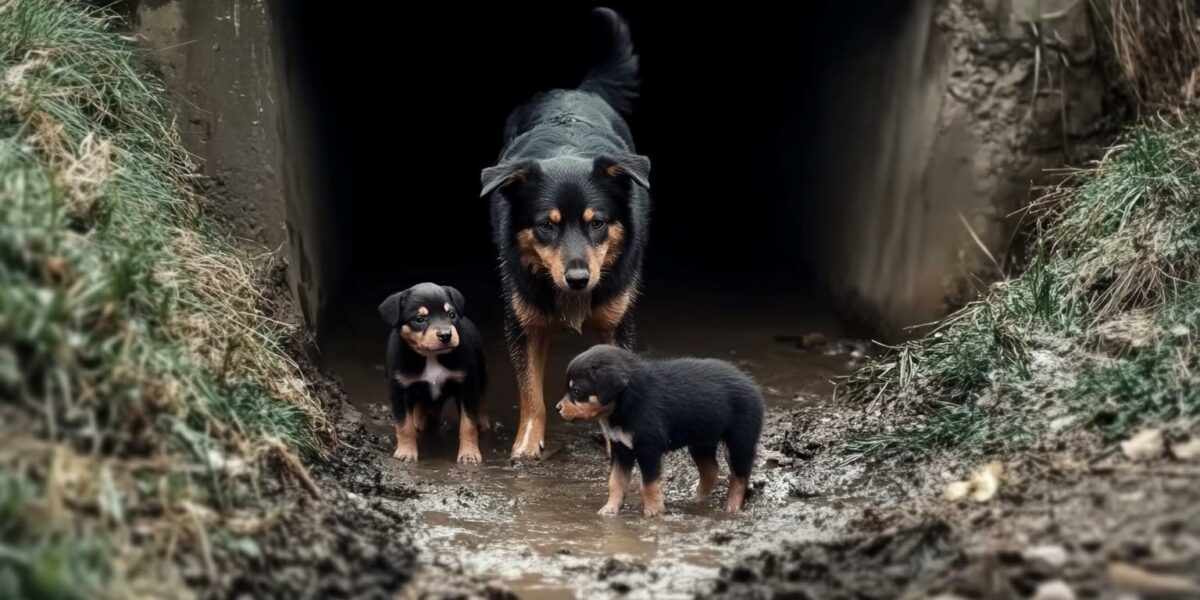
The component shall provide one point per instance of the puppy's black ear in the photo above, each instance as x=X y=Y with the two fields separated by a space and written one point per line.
x=456 y=298
x=611 y=377
x=389 y=309
x=634 y=167
x=502 y=176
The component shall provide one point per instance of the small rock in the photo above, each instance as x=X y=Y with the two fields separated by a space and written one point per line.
x=1052 y=555
x=1144 y=446
x=1056 y=589
x=1019 y=72
x=1189 y=450
x=813 y=339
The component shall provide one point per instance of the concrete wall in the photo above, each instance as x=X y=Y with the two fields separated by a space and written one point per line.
x=936 y=127
x=233 y=97
x=936 y=131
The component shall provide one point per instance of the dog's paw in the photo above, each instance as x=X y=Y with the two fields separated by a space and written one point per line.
x=653 y=511
x=732 y=508
x=609 y=510
x=528 y=451
x=469 y=457
x=408 y=455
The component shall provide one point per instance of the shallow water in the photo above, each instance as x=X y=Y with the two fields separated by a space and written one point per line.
x=534 y=526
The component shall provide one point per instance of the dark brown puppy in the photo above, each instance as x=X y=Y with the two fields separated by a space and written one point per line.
x=650 y=407
x=433 y=353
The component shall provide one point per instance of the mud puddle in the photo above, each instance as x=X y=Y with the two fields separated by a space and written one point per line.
x=533 y=528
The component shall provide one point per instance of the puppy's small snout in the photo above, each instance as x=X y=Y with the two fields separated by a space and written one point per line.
x=444 y=336
x=558 y=407
x=577 y=279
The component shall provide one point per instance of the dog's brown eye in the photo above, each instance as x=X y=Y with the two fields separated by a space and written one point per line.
x=419 y=319
x=546 y=226
x=453 y=315
x=597 y=224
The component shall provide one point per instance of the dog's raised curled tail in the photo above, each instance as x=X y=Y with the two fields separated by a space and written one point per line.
x=614 y=78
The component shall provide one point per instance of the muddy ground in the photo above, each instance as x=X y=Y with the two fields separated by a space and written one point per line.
x=1076 y=519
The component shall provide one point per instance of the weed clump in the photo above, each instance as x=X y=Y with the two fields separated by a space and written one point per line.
x=1098 y=332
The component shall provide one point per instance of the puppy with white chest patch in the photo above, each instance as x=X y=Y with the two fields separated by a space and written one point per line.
x=434 y=353
x=649 y=407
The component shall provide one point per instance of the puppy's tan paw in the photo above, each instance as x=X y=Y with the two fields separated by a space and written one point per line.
x=609 y=510
x=469 y=457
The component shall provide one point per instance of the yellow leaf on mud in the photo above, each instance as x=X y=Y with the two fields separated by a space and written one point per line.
x=957 y=490
x=981 y=487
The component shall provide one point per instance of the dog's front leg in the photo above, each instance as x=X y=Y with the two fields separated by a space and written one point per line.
x=529 y=359
x=468 y=427
x=406 y=436
x=406 y=412
x=618 y=482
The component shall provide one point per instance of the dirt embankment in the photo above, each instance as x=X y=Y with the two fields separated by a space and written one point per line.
x=1074 y=518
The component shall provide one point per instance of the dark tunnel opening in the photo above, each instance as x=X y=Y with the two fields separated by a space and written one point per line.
x=733 y=116
x=401 y=124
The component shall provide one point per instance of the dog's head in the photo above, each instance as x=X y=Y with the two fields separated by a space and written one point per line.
x=569 y=213
x=426 y=316
x=596 y=380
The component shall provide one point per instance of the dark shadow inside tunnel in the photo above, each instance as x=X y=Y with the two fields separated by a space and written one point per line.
x=405 y=105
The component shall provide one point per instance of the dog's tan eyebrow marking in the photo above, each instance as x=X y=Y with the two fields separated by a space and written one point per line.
x=588 y=215
x=422 y=311
x=446 y=306
x=555 y=216
x=571 y=383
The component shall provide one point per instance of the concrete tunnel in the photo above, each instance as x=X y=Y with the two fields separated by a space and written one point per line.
x=736 y=115
x=832 y=151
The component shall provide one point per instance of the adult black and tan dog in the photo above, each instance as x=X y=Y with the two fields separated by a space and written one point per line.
x=434 y=352
x=650 y=407
x=570 y=206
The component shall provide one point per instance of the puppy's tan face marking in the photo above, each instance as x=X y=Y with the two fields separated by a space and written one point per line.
x=421 y=332
x=588 y=411
x=556 y=216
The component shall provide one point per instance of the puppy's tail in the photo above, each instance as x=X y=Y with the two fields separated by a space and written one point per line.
x=614 y=78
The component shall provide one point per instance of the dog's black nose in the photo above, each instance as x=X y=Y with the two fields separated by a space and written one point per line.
x=577 y=278
x=444 y=336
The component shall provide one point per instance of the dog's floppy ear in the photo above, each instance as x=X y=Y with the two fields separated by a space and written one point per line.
x=501 y=176
x=389 y=309
x=456 y=298
x=611 y=377
x=634 y=166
